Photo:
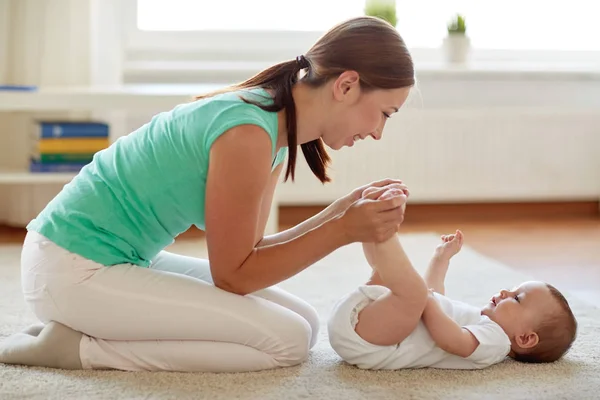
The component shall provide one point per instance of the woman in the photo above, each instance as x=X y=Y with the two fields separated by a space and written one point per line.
x=93 y=265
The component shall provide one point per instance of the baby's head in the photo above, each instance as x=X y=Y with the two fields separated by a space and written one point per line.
x=538 y=320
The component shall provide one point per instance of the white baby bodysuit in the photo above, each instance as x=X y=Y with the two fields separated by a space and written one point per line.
x=418 y=350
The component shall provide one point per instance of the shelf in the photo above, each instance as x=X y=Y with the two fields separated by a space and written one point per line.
x=20 y=177
x=120 y=98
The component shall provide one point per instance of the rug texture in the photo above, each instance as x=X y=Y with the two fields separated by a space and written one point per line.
x=472 y=278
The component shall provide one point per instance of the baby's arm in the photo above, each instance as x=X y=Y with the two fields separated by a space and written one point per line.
x=436 y=273
x=438 y=266
x=446 y=333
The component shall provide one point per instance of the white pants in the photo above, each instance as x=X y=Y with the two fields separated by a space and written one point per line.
x=169 y=317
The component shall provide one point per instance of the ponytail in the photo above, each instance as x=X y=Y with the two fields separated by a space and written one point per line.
x=280 y=78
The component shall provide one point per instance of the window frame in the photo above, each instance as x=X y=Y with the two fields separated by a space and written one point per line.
x=264 y=46
x=262 y=42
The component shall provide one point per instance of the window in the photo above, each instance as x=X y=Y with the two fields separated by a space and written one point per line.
x=182 y=41
x=244 y=15
x=507 y=24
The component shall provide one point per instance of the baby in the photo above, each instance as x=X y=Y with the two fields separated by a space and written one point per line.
x=399 y=319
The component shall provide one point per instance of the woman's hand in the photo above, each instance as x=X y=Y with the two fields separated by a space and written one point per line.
x=343 y=203
x=370 y=220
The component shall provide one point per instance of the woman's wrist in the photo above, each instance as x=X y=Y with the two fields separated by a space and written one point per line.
x=336 y=208
x=338 y=230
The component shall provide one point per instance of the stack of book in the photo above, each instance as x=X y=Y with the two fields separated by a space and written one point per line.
x=66 y=146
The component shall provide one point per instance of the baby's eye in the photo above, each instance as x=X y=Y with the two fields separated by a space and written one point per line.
x=517 y=298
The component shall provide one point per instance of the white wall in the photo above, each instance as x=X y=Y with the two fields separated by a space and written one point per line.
x=466 y=136
x=496 y=138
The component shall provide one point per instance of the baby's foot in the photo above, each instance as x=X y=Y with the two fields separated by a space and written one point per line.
x=451 y=244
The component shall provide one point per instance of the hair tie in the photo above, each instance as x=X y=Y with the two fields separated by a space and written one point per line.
x=302 y=62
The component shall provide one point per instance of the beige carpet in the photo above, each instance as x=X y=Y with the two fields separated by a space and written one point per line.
x=472 y=278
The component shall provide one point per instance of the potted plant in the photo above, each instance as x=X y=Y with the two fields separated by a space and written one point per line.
x=384 y=9
x=457 y=44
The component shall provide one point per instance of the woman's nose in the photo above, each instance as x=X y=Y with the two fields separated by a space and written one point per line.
x=377 y=134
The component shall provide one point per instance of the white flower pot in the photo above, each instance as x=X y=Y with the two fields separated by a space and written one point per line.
x=456 y=47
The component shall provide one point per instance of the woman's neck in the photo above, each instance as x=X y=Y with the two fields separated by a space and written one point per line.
x=310 y=103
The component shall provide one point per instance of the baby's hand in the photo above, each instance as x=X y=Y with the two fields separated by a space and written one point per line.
x=451 y=244
x=385 y=192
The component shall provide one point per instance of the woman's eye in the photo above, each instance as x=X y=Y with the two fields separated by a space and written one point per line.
x=386 y=115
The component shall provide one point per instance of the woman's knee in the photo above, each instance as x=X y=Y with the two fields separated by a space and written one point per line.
x=310 y=314
x=297 y=305
x=293 y=341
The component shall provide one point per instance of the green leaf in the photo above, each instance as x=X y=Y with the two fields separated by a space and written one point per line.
x=457 y=25
x=386 y=10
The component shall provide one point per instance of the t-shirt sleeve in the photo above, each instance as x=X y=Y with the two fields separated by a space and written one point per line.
x=494 y=344
x=281 y=154
x=235 y=115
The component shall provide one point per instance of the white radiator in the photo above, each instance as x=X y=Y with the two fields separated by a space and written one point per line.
x=465 y=156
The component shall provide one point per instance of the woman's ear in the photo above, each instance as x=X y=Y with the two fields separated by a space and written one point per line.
x=347 y=86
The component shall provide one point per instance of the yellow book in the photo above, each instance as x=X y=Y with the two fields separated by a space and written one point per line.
x=72 y=145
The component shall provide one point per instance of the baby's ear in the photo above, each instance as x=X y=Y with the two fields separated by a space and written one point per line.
x=527 y=340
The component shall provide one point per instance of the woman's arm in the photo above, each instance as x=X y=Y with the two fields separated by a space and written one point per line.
x=238 y=178
x=265 y=207
x=332 y=211
x=298 y=230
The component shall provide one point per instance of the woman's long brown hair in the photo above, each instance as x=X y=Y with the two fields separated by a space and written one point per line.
x=367 y=45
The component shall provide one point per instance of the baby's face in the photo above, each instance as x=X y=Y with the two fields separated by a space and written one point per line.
x=521 y=309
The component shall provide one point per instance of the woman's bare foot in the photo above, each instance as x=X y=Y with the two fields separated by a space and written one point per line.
x=56 y=346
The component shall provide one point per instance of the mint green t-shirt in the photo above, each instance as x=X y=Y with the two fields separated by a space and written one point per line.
x=136 y=196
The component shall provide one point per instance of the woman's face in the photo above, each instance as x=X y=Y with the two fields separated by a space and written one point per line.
x=357 y=114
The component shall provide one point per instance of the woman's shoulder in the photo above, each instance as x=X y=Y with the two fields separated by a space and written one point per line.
x=234 y=100
x=226 y=110
x=215 y=115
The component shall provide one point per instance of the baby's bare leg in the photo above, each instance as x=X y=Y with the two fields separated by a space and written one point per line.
x=375 y=279
x=392 y=317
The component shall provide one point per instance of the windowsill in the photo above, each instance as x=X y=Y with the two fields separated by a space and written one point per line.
x=138 y=71
x=510 y=71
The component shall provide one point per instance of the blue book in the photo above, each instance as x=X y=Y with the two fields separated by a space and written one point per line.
x=49 y=130
x=39 y=167
x=18 y=88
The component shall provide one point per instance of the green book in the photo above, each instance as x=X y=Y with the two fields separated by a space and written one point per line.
x=68 y=157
